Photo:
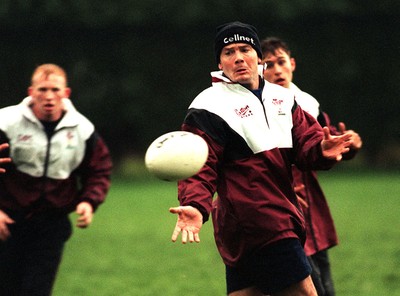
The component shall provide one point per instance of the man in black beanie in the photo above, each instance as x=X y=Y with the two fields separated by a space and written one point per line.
x=255 y=132
x=236 y=32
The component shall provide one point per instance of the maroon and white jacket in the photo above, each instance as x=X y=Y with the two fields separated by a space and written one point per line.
x=252 y=146
x=56 y=172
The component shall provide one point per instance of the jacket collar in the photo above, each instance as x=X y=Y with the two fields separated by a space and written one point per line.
x=69 y=119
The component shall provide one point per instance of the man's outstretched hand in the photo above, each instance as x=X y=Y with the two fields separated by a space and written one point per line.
x=190 y=221
x=355 y=140
x=334 y=146
x=4 y=146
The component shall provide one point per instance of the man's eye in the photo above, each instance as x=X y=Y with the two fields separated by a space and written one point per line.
x=44 y=89
x=270 y=65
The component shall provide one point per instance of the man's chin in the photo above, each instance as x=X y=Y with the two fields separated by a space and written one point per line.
x=243 y=80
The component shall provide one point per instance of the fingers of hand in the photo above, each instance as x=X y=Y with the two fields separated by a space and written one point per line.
x=190 y=236
x=84 y=220
x=4 y=232
x=4 y=160
x=4 y=146
x=82 y=224
x=342 y=127
x=184 y=236
x=356 y=141
x=302 y=202
x=187 y=236
x=175 y=234
x=299 y=188
x=326 y=132
x=176 y=210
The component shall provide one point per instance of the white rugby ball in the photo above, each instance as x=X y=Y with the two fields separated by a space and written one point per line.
x=176 y=155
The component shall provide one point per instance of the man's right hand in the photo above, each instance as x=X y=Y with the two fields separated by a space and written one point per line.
x=334 y=146
x=189 y=223
x=4 y=160
x=4 y=221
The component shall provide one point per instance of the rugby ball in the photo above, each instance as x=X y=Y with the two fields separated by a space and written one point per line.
x=176 y=155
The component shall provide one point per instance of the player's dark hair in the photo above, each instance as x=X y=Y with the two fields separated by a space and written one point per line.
x=271 y=44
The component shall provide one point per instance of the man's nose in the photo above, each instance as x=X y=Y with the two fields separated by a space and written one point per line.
x=238 y=57
x=49 y=94
x=278 y=69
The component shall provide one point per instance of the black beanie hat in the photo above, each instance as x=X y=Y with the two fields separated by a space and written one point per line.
x=236 y=32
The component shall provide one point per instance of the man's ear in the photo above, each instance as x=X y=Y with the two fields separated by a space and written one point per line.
x=67 y=92
x=220 y=66
x=30 y=90
x=293 y=64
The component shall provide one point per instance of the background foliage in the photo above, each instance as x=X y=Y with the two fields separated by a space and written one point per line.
x=135 y=66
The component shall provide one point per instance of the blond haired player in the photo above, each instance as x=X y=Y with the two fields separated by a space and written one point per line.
x=59 y=165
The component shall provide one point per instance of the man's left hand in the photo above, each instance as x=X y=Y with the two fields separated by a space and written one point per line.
x=85 y=212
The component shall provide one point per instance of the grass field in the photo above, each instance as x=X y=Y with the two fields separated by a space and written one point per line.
x=127 y=250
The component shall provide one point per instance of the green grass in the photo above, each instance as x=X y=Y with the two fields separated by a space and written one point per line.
x=366 y=210
x=128 y=251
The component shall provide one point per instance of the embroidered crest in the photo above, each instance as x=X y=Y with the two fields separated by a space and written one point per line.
x=24 y=138
x=278 y=103
x=244 y=112
x=70 y=140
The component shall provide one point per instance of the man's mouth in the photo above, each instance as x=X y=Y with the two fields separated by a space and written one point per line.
x=241 y=71
x=48 y=106
x=280 y=81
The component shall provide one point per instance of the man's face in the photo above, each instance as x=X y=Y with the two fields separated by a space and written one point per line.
x=239 y=62
x=47 y=94
x=280 y=67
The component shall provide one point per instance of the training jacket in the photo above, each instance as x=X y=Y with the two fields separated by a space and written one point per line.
x=252 y=145
x=55 y=173
x=321 y=232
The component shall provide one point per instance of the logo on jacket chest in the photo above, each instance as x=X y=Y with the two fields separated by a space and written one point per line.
x=244 y=112
x=278 y=103
x=24 y=138
x=71 y=143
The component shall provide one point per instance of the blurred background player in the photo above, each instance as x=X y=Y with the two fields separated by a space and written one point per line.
x=59 y=165
x=321 y=233
x=258 y=225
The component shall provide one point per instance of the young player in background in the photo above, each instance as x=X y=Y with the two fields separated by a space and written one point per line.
x=321 y=233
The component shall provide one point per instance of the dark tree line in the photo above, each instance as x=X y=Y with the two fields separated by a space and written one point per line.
x=134 y=66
